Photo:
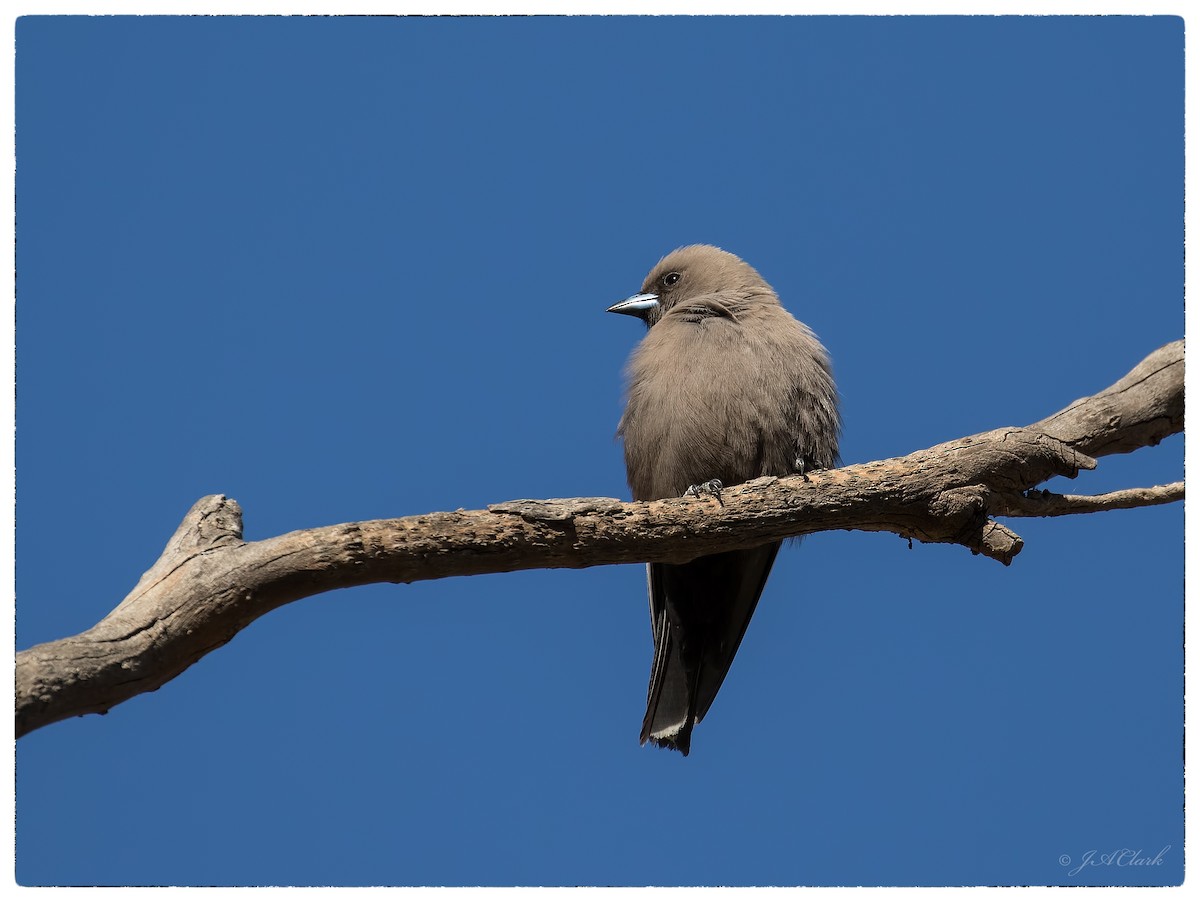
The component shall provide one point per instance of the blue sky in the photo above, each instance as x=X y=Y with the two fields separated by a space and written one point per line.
x=344 y=269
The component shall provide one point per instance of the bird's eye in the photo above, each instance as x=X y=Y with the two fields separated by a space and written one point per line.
x=671 y=278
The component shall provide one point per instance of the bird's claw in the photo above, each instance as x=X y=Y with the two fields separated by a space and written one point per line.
x=803 y=467
x=712 y=487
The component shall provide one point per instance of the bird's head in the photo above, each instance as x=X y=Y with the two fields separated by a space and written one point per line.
x=687 y=273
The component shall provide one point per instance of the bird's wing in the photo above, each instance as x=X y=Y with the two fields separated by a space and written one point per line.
x=740 y=579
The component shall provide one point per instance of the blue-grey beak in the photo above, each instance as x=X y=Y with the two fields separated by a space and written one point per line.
x=639 y=305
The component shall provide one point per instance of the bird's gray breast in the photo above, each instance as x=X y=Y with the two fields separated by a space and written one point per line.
x=707 y=400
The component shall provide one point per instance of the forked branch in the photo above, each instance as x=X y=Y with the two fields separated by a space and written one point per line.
x=209 y=583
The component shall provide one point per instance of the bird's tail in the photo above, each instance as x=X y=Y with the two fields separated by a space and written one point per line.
x=699 y=612
x=671 y=699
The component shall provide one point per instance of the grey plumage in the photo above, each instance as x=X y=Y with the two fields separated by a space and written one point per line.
x=725 y=385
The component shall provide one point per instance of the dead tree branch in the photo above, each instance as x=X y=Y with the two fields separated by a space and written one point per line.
x=1040 y=503
x=209 y=583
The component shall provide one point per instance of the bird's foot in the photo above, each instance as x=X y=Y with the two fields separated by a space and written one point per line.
x=804 y=467
x=712 y=487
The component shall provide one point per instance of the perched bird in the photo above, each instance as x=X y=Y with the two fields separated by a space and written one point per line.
x=726 y=386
